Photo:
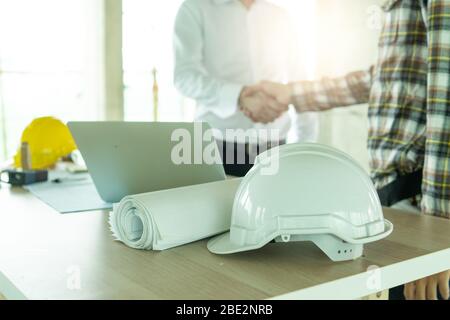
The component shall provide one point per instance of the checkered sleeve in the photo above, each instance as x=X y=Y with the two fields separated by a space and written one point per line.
x=436 y=182
x=325 y=94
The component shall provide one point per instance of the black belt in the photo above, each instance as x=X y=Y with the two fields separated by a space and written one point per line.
x=404 y=187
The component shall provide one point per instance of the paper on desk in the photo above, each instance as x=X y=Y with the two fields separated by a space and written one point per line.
x=74 y=193
x=169 y=218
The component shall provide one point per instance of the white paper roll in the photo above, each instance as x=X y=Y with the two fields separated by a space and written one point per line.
x=169 y=218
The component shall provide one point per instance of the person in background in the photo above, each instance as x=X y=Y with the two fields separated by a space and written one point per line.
x=409 y=115
x=221 y=47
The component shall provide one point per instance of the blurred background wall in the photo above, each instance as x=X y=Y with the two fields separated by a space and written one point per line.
x=347 y=41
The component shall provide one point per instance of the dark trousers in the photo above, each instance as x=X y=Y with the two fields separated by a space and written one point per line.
x=238 y=158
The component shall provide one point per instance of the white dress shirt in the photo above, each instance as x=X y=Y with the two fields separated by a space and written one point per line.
x=220 y=46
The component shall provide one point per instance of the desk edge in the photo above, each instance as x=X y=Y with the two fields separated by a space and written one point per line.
x=375 y=279
x=8 y=290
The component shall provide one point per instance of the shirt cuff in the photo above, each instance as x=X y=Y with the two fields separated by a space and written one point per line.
x=229 y=100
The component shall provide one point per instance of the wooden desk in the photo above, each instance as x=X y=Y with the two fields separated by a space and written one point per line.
x=43 y=253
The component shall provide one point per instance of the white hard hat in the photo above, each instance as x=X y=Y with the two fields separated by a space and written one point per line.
x=318 y=194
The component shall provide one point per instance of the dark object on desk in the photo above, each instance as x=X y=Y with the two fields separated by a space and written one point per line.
x=25 y=156
x=25 y=177
x=61 y=180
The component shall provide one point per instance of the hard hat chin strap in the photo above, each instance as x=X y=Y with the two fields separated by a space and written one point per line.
x=335 y=248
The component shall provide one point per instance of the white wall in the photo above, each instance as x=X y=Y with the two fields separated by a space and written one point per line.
x=347 y=40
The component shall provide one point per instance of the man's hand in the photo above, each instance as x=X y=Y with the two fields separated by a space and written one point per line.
x=260 y=107
x=282 y=93
x=427 y=288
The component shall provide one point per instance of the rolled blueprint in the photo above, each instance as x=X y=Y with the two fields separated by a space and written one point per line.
x=165 y=219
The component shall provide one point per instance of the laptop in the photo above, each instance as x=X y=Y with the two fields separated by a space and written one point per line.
x=126 y=158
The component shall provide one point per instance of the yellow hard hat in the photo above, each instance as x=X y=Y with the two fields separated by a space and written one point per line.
x=49 y=139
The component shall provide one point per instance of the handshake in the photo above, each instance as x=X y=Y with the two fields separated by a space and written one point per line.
x=265 y=102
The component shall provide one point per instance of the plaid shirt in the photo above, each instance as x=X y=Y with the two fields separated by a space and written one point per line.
x=409 y=98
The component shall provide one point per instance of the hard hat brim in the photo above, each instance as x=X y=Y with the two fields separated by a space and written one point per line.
x=222 y=244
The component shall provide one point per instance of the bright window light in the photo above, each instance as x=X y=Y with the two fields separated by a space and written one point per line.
x=303 y=16
x=44 y=65
x=147 y=45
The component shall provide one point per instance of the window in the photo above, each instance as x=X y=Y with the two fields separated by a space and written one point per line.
x=46 y=64
x=147 y=45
